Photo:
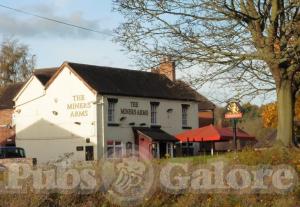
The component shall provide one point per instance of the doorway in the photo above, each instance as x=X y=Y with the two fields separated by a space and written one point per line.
x=89 y=153
x=162 y=149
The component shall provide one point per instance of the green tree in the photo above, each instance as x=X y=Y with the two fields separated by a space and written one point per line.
x=16 y=63
x=252 y=44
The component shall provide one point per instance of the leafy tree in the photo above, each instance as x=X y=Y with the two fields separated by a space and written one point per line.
x=250 y=110
x=16 y=63
x=269 y=113
x=253 y=45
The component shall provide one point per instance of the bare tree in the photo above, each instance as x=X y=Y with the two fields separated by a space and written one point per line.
x=253 y=44
x=16 y=63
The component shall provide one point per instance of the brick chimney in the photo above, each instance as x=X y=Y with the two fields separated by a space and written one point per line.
x=167 y=68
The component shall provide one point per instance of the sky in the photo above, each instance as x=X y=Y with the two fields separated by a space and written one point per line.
x=54 y=43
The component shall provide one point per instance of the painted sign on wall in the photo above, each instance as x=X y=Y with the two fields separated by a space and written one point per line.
x=133 y=110
x=79 y=106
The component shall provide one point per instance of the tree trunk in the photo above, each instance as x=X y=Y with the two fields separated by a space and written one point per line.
x=285 y=112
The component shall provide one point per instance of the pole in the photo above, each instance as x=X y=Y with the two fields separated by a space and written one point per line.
x=234 y=135
x=188 y=147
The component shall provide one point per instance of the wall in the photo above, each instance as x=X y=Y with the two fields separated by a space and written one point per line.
x=55 y=124
x=6 y=132
x=170 y=122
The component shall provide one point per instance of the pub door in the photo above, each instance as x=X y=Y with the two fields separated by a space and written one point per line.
x=89 y=153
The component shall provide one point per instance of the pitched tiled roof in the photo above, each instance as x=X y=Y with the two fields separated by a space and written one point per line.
x=115 y=81
x=9 y=92
x=205 y=104
x=44 y=74
x=155 y=134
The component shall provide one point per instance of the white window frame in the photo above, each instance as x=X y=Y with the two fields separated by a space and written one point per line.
x=115 y=146
x=155 y=150
x=126 y=150
x=184 y=117
x=111 y=112
x=170 y=147
x=154 y=108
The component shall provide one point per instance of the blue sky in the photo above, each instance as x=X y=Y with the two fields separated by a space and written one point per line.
x=53 y=43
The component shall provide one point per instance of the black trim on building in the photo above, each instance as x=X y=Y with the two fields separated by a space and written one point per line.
x=155 y=126
x=112 y=100
x=185 y=105
x=113 y=124
x=155 y=103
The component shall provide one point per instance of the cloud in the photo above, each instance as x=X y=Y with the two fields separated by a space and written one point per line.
x=12 y=23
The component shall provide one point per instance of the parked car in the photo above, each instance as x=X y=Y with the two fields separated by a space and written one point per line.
x=11 y=152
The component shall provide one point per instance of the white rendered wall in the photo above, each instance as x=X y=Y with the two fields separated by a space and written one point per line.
x=170 y=122
x=58 y=127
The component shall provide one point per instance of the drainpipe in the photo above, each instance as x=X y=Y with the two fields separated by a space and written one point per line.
x=102 y=127
x=212 y=149
x=213 y=120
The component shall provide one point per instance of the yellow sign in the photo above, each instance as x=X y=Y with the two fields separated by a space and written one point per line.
x=233 y=110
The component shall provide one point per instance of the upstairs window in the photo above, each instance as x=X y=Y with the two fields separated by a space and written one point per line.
x=111 y=109
x=154 y=106
x=185 y=108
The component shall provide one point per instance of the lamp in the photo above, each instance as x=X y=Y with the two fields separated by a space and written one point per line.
x=170 y=110
x=123 y=118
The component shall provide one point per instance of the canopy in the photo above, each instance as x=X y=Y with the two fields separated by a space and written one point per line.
x=211 y=133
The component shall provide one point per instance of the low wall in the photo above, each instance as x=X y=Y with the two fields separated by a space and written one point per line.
x=8 y=162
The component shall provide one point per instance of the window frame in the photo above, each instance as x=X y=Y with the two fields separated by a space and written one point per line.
x=115 y=146
x=184 y=115
x=111 y=110
x=154 y=112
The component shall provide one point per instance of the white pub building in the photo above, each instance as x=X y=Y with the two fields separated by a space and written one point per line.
x=91 y=111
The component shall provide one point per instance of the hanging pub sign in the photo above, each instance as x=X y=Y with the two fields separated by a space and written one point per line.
x=233 y=110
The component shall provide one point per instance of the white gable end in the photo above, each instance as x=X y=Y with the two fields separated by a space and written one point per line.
x=31 y=91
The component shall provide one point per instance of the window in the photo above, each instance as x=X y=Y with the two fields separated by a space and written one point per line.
x=118 y=149
x=170 y=149
x=187 y=148
x=129 y=148
x=111 y=112
x=185 y=115
x=154 y=106
x=114 y=149
x=155 y=149
x=111 y=109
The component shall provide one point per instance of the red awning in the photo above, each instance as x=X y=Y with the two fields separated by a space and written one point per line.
x=211 y=133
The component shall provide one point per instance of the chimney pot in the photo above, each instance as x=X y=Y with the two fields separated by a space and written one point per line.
x=167 y=68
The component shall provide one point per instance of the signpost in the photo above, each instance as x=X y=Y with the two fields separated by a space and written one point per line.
x=234 y=112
